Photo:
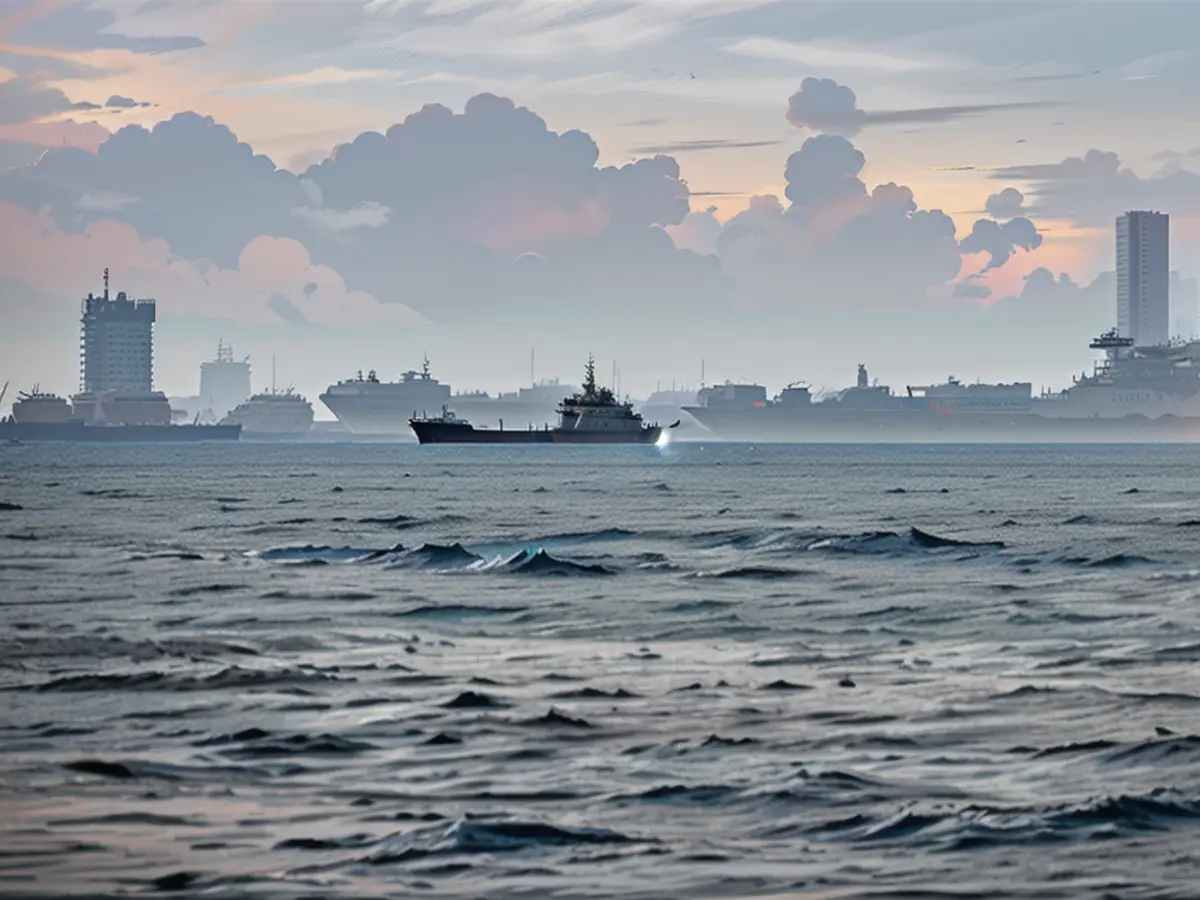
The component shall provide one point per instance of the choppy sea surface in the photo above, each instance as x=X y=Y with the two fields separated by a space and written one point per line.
x=693 y=671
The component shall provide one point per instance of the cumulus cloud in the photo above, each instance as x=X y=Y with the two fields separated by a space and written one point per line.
x=835 y=241
x=1006 y=204
x=269 y=271
x=430 y=213
x=1095 y=188
x=823 y=105
x=1000 y=241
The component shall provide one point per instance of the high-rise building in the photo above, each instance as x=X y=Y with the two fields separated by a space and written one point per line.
x=117 y=344
x=1143 y=267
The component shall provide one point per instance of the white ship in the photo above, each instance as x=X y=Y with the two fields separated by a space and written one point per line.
x=272 y=416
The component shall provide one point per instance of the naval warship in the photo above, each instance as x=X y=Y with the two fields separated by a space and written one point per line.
x=590 y=416
x=1133 y=394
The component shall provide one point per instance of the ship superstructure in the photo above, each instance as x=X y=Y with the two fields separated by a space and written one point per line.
x=36 y=406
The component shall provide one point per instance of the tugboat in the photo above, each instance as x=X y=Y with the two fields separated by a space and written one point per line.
x=591 y=416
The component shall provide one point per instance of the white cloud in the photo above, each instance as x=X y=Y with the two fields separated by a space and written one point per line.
x=367 y=214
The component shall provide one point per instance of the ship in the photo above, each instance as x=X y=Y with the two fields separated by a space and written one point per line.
x=1133 y=394
x=370 y=407
x=38 y=406
x=592 y=415
x=273 y=415
x=117 y=402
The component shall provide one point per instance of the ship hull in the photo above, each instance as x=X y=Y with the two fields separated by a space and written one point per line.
x=78 y=431
x=446 y=433
x=841 y=426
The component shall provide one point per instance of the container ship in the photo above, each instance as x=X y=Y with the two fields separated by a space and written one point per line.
x=592 y=415
x=1133 y=394
x=117 y=402
x=370 y=407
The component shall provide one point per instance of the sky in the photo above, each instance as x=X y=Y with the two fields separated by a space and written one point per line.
x=765 y=191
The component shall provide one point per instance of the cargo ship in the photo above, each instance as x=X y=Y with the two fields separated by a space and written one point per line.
x=1133 y=394
x=117 y=402
x=590 y=416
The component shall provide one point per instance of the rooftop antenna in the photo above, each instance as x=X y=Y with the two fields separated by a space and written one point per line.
x=106 y=282
x=614 y=381
x=272 y=373
x=532 y=382
x=701 y=373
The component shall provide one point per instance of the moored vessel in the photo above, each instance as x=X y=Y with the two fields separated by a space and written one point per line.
x=273 y=416
x=590 y=416
x=1134 y=394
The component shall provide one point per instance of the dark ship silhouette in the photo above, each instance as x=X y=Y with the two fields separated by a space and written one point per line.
x=591 y=416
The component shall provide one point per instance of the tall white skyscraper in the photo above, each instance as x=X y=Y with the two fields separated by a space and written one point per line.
x=1143 y=277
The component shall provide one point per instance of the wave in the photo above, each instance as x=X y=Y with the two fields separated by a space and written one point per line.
x=755 y=573
x=254 y=743
x=231 y=677
x=468 y=836
x=539 y=562
x=439 y=557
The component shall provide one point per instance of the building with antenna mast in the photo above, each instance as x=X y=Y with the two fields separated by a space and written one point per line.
x=116 y=343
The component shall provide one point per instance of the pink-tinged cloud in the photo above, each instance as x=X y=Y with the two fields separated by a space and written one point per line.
x=274 y=280
x=510 y=219
x=66 y=133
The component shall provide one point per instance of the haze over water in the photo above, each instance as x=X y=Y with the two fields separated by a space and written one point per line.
x=699 y=670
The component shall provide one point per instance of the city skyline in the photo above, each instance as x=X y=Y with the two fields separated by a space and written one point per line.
x=785 y=190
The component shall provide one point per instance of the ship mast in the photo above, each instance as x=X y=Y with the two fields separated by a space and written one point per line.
x=589 y=382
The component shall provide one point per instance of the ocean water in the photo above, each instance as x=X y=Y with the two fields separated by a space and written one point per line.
x=692 y=671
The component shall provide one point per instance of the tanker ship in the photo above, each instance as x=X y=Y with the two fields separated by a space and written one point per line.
x=1133 y=394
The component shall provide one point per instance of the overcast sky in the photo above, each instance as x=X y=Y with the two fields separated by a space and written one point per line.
x=782 y=189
